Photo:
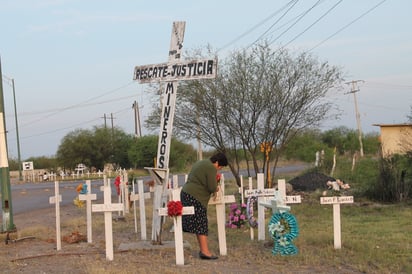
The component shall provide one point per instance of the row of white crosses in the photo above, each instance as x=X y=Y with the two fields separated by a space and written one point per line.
x=107 y=207
x=277 y=203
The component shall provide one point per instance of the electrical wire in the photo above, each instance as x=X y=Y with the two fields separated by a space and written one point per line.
x=255 y=26
x=311 y=25
x=347 y=25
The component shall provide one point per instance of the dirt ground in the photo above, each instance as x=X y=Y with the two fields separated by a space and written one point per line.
x=32 y=249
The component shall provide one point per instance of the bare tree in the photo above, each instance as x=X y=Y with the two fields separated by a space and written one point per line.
x=260 y=96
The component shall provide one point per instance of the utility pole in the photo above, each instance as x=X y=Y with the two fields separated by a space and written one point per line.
x=7 y=209
x=354 y=89
x=137 y=127
x=105 y=123
x=17 y=128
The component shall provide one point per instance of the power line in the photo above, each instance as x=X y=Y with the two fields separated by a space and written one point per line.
x=347 y=25
x=254 y=27
x=283 y=15
x=311 y=25
x=299 y=18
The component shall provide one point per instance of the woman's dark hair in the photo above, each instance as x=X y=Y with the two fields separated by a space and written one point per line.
x=220 y=158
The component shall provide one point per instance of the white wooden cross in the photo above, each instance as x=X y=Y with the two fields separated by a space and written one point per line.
x=57 y=199
x=220 y=200
x=88 y=197
x=177 y=222
x=172 y=72
x=107 y=208
x=288 y=199
x=336 y=201
x=142 y=207
x=261 y=193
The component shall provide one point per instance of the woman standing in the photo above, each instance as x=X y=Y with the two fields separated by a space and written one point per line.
x=196 y=192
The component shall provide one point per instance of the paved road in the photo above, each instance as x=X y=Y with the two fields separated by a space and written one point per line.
x=33 y=196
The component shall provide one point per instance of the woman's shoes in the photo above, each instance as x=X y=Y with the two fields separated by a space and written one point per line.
x=204 y=257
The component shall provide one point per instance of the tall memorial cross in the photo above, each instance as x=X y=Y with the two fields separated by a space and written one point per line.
x=336 y=201
x=107 y=207
x=220 y=200
x=57 y=199
x=177 y=222
x=171 y=72
x=88 y=197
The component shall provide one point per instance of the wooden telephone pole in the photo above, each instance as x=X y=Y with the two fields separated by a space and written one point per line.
x=354 y=89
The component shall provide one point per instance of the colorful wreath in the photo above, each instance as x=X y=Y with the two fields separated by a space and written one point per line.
x=251 y=201
x=283 y=228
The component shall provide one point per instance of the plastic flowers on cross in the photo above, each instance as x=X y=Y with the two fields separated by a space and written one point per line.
x=237 y=216
x=218 y=178
x=174 y=208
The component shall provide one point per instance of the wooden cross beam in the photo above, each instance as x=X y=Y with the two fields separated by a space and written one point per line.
x=107 y=207
x=171 y=72
x=177 y=222
x=288 y=199
x=88 y=197
x=57 y=199
x=336 y=201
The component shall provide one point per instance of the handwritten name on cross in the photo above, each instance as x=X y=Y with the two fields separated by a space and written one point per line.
x=220 y=200
x=261 y=193
x=88 y=197
x=288 y=199
x=177 y=222
x=171 y=72
x=57 y=199
x=336 y=201
x=107 y=207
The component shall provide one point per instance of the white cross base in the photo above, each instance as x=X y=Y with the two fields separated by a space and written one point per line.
x=177 y=221
x=57 y=199
x=336 y=201
x=107 y=208
x=220 y=200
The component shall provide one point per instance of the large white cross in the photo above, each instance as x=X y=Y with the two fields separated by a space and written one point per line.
x=57 y=199
x=171 y=72
x=107 y=208
x=177 y=222
x=336 y=201
x=88 y=197
x=220 y=200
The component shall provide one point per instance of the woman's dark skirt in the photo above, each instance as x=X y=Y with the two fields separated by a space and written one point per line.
x=196 y=223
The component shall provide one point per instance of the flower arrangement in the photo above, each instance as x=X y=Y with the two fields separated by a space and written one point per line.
x=174 y=208
x=237 y=216
x=336 y=188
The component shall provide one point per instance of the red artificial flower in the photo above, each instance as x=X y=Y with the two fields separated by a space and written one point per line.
x=218 y=177
x=174 y=208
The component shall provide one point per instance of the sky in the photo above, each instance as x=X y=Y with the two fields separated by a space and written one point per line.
x=72 y=61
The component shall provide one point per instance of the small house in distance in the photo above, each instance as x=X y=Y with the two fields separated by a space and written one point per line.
x=395 y=138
